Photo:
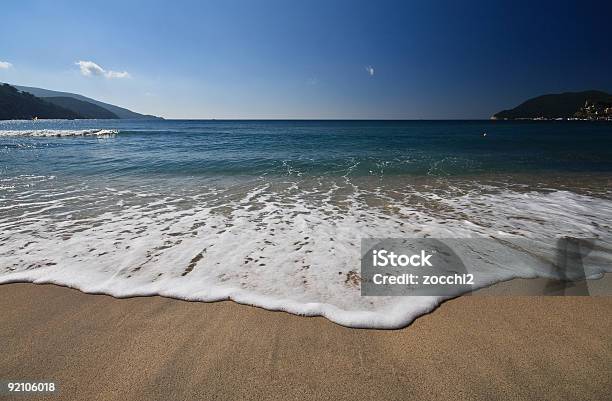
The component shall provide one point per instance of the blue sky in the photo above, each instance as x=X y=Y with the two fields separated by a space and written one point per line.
x=308 y=59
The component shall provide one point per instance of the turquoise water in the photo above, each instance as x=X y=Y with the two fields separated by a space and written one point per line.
x=335 y=148
x=272 y=213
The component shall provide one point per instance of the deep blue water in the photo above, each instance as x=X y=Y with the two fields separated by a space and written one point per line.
x=352 y=148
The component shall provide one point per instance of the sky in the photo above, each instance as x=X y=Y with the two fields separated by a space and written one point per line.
x=308 y=59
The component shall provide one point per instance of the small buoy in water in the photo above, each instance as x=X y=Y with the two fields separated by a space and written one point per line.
x=484 y=134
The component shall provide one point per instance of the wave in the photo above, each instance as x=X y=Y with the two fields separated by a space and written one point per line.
x=290 y=246
x=59 y=133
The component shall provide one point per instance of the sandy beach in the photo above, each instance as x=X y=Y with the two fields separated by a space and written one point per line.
x=96 y=347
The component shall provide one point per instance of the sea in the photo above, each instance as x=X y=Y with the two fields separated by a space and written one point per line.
x=272 y=213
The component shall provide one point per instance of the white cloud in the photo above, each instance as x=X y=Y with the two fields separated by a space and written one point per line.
x=5 y=65
x=89 y=68
x=117 y=74
x=370 y=70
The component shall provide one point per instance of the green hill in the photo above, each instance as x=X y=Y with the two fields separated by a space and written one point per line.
x=84 y=109
x=16 y=105
x=562 y=105
x=120 y=112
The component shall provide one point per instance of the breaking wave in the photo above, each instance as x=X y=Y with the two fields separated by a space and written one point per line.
x=58 y=133
x=291 y=245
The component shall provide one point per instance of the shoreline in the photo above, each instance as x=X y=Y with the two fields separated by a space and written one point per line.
x=513 y=287
x=471 y=347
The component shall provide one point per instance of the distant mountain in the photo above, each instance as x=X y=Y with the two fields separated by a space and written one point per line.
x=588 y=105
x=120 y=112
x=16 y=105
x=84 y=109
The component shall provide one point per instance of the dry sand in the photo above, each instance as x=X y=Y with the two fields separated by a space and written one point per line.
x=99 y=348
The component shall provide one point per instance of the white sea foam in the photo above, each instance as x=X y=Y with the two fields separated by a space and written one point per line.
x=59 y=133
x=283 y=246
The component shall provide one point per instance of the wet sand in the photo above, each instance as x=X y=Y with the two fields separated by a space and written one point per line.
x=96 y=347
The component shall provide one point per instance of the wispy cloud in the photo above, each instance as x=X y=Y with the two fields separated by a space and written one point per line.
x=89 y=69
x=370 y=70
x=5 y=65
x=117 y=74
